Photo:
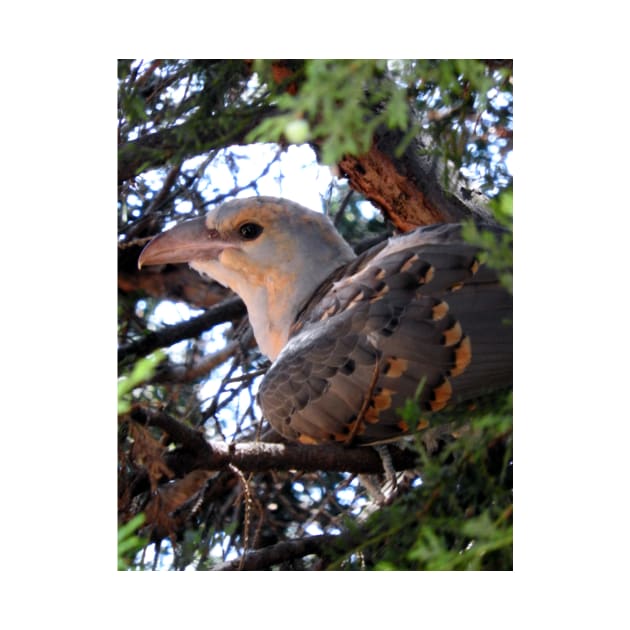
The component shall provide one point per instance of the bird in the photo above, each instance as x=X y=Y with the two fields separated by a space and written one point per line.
x=352 y=337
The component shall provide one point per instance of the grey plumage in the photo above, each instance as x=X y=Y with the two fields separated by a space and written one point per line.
x=352 y=338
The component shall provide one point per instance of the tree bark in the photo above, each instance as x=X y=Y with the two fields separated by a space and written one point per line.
x=410 y=189
x=260 y=559
x=178 y=283
x=262 y=456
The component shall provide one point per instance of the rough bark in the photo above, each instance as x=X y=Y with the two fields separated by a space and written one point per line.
x=178 y=283
x=261 y=456
x=410 y=189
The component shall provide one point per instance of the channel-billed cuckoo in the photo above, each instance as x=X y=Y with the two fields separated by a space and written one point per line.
x=352 y=337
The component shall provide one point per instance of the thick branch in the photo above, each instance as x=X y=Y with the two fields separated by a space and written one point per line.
x=409 y=189
x=178 y=283
x=259 y=456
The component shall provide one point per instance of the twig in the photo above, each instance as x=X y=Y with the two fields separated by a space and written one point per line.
x=227 y=310
x=248 y=507
x=186 y=375
x=252 y=184
x=281 y=552
x=342 y=207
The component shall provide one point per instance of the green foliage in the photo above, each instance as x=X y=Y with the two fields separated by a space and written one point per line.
x=465 y=106
x=172 y=109
x=129 y=543
x=459 y=517
x=502 y=206
x=340 y=99
x=497 y=250
x=341 y=104
x=141 y=372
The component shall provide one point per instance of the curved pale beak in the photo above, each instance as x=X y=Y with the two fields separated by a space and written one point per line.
x=190 y=240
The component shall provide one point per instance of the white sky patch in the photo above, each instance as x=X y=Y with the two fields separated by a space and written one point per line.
x=313 y=529
x=296 y=175
x=305 y=182
x=367 y=210
x=169 y=313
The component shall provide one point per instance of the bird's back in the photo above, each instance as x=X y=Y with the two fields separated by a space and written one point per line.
x=417 y=316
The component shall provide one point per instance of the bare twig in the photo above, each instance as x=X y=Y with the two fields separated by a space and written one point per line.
x=182 y=374
x=281 y=552
x=342 y=207
x=225 y=311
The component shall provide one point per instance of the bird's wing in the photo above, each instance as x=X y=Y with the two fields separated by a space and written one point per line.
x=417 y=313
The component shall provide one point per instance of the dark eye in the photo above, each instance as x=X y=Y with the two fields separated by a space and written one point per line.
x=250 y=231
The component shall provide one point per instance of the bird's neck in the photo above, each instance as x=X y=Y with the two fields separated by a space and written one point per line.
x=273 y=295
x=271 y=313
x=274 y=304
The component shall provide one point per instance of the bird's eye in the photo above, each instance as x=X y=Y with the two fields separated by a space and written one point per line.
x=250 y=231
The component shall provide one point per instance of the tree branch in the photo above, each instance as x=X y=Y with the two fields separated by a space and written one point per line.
x=261 y=559
x=409 y=189
x=184 y=141
x=260 y=456
x=227 y=310
x=177 y=282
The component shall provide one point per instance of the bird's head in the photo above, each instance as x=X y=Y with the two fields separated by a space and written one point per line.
x=273 y=252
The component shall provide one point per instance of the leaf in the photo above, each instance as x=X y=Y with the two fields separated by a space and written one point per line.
x=128 y=542
x=142 y=371
x=479 y=527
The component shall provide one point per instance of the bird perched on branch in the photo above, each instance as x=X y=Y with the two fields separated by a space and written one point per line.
x=352 y=337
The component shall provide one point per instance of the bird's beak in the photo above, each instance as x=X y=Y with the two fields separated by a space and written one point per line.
x=190 y=240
